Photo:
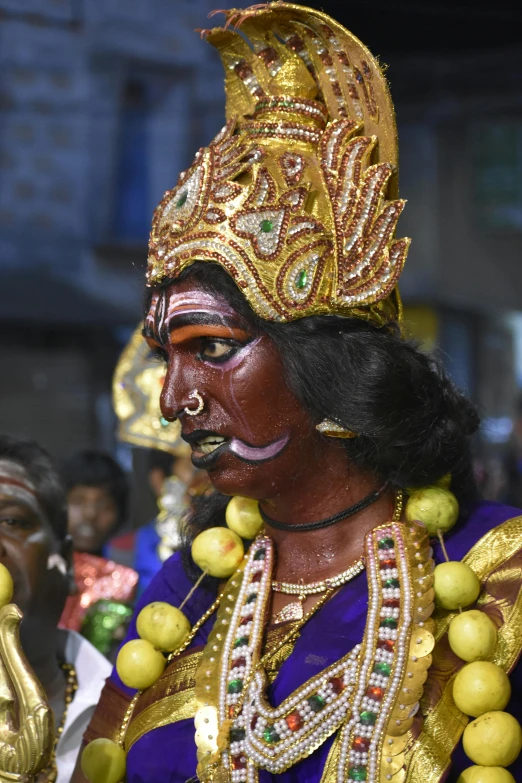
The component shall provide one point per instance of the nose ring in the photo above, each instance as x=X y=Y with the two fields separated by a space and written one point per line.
x=195 y=395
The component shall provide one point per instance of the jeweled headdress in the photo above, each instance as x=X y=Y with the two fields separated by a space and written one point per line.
x=295 y=197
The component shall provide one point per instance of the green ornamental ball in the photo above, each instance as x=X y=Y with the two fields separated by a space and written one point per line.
x=103 y=761
x=243 y=517
x=455 y=584
x=493 y=740
x=163 y=625
x=139 y=664
x=437 y=508
x=486 y=775
x=472 y=636
x=6 y=586
x=218 y=551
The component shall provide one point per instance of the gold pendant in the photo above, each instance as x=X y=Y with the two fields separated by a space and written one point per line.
x=293 y=611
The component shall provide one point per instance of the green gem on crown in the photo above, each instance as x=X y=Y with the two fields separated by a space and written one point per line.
x=270 y=734
x=367 y=718
x=357 y=773
x=241 y=642
x=181 y=200
x=316 y=703
x=386 y=543
x=392 y=583
x=382 y=668
x=266 y=226
x=235 y=686
x=301 y=279
x=388 y=622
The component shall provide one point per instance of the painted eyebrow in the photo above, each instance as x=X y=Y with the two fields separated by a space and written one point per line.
x=202 y=318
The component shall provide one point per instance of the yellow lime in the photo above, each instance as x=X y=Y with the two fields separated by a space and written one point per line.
x=486 y=775
x=242 y=516
x=472 y=635
x=163 y=625
x=493 y=740
x=139 y=664
x=481 y=687
x=437 y=508
x=455 y=585
x=6 y=586
x=103 y=761
x=219 y=551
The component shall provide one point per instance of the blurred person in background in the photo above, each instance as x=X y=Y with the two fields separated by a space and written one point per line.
x=174 y=481
x=97 y=502
x=36 y=549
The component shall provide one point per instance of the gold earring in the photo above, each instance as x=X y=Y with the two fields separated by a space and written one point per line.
x=334 y=430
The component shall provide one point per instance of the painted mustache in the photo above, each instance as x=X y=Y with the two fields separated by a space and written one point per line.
x=211 y=445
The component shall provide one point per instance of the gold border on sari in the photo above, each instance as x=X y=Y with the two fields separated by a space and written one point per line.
x=176 y=702
x=429 y=754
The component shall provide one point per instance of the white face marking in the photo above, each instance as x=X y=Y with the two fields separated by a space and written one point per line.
x=161 y=310
x=57 y=561
x=16 y=484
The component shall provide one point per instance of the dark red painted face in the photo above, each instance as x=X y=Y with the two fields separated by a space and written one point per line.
x=252 y=435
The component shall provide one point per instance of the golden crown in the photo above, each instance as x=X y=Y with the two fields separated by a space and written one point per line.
x=295 y=197
x=136 y=387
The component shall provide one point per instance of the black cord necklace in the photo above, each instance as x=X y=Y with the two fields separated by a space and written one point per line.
x=347 y=512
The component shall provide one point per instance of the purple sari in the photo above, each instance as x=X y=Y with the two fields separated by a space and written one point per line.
x=167 y=754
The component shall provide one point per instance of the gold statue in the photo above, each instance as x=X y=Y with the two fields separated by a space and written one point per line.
x=26 y=720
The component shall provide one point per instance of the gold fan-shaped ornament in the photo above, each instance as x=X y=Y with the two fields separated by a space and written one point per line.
x=296 y=196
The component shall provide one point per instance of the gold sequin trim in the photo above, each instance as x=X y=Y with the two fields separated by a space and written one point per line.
x=429 y=755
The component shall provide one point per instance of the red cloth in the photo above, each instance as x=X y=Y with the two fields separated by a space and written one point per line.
x=96 y=578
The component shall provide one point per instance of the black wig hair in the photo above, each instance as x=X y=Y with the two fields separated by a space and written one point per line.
x=92 y=468
x=41 y=471
x=413 y=425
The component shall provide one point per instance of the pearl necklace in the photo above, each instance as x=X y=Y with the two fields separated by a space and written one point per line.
x=356 y=694
x=295 y=610
x=312 y=588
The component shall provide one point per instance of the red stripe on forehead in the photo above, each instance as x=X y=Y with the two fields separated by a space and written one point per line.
x=15 y=483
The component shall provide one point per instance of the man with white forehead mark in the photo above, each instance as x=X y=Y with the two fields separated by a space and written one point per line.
x=35 y=548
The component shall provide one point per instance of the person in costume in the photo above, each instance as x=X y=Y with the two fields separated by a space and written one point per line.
x=97 y=500
x=36 y=550
x=295 y=636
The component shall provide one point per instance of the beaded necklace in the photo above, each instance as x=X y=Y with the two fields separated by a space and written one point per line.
x=50 y=774
x=357 y=695
x=294 y=610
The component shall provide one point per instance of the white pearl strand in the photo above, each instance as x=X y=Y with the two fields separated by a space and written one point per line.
x=361 y=702
x=398 y=672
x=288 y=752
x=255 y=629
x=290 y=588
x=315 y=725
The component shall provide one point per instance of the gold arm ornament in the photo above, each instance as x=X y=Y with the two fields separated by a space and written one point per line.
x=26 y=720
